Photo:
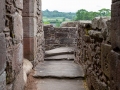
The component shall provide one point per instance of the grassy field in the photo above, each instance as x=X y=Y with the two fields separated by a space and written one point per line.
x=55 y=19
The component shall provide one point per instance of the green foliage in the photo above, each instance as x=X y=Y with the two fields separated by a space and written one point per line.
x=105 y=12
x=46 y=22
x=58 y=24
x=83 y=14
x=63 y=19
x=56 y=21
x=55 y=13
x=53 y=19
x=56 y=18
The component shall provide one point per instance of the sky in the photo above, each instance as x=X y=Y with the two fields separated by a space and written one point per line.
x=74 y=5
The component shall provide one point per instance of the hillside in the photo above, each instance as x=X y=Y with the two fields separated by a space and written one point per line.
x=55 y=13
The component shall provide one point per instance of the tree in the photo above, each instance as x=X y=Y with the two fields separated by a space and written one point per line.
x=105 y=12
x=83 y=14
x=56 y=13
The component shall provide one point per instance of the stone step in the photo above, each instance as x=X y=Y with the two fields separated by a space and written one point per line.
x=58 y=69
x=68 y=57
x=59 y=51
x=60 y=84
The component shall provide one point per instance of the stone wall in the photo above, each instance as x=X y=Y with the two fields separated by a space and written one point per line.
x=11 y=40
x=33 y=31
x=2 y=46
x=73 y=23
x=59 y=37
x=14 y=44
x=115 y=41
x=94 y=53
x=98 y=44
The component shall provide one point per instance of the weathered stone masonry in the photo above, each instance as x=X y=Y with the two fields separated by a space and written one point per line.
x=33 y=31
x=98 y=47
x=94 y=53
x=14 y=44
x=11 y=41
x=59 y=37
x=115 y=41
x=98 y=51
x=2 y=46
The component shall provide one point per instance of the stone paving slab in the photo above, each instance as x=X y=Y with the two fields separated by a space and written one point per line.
x=59 y=50
x=61 y=57
x=60 y=84
x=59 y=69
x=61 y=53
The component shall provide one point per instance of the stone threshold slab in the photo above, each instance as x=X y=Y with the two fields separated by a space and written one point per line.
x=58 y=69
x=60 y=84
x=59 y=50
x=58 y=57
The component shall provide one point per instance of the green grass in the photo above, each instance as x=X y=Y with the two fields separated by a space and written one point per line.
x=55 y=20
x=60 y=19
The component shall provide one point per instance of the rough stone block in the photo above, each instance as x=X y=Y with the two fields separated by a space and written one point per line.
x=66 y=41
x=40 y=39
x=61 y=35
x=105 y=58
x=62 y=30
x=95 y=34
x=39 y=55
x=18 y=27
x=3 y=81
x=114 y=39
x=46 y=31
x=19 y=83
x=9 y=70
x=47 y=35
x=2 y=15
x=50 y=42
x=98 y=85
x=72 y=30
x=103 y=23
x=115 y=25
x=29 y=26
x=2 y=53
x=52 y=31
x=113 y=1
x=113 y=74
x=115 y=70
x=18 y=57
x=29 y=8
x=10 y=7
x=118 y=73
x=19 y=4
x=72 y=35
x=86 y=38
